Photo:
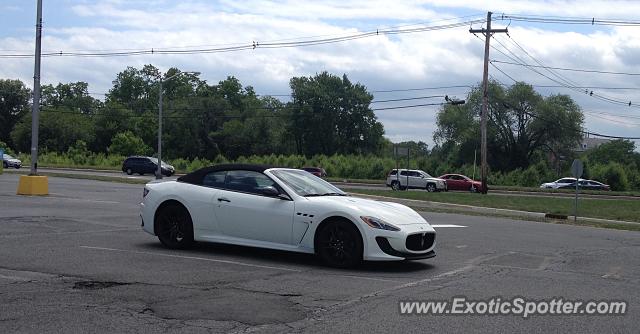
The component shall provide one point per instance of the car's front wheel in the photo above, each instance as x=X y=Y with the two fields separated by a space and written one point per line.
x=5 y=165
x=175 y=227
x=339 y=244
x=431 y=187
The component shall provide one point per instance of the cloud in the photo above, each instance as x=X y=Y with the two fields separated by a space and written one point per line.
x=428 y=59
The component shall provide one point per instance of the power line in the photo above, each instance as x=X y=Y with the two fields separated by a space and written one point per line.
x=567 y=69
x=253 y=45
x=566 y=83
x=567 y=20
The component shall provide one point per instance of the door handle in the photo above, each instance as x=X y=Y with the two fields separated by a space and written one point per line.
x=222 y=199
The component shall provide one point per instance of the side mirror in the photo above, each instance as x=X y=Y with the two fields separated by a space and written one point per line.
x=270 y=191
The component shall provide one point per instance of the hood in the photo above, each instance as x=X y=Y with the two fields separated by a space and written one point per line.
x=436 y=179
x=393 y=213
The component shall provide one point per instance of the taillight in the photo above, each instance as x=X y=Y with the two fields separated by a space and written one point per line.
x=145 y=191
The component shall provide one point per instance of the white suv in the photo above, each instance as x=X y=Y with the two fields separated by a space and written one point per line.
x=416 y=179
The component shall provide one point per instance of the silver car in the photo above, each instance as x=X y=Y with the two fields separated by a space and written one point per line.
x=9 y=161
x=414 y=179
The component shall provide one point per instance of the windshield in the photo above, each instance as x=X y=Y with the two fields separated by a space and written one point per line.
x=306 y=184
x=155 y=161
x=426 y=174
x=7 y=156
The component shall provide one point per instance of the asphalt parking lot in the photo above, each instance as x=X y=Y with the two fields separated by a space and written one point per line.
x=77 y=261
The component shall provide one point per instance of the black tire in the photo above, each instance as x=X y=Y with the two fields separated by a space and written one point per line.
x=175 y=227
x=395 y=185
x=339 y=244
x=129 y=171
x=473 y=189
x=5 y=165
x=431 y=187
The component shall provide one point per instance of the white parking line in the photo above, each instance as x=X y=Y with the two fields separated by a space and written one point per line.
x=447 y=225
x=190 y=258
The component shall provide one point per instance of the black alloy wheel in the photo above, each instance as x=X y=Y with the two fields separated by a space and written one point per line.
x=175 y=227
x=339 y=244
x=395 y=185
x=129 y=171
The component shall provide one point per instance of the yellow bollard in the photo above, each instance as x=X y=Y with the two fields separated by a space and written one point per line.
x=33 y=185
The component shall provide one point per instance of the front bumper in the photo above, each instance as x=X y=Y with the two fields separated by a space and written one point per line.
x=394 y=246
x=384 y=245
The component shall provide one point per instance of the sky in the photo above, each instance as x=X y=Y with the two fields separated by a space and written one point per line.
x=392 y=66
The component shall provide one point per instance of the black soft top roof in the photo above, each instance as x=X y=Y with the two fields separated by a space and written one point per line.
x=197 y=176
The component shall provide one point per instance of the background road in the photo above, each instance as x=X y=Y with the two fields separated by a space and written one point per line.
x=342 y=185
x=77 y=261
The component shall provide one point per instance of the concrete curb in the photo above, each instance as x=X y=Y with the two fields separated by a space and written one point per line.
x=489 y=211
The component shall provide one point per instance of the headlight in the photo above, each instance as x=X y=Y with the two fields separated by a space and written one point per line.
x=379 y=223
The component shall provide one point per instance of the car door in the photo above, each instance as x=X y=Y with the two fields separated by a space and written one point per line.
x=452 y=182
x=415 y=179
x=243 y=212
x=404 y=178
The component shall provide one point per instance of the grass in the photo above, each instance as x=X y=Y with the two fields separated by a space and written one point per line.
x=626 y=210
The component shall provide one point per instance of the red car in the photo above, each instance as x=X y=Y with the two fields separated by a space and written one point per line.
x=461 y=182
x=317 y=171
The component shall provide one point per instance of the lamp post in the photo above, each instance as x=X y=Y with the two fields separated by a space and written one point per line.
x=159 y=171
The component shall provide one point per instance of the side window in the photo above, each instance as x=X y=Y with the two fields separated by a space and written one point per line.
x=247 y=181
x=403 y=173
x=214 y=179
x=566 y=181
x=393 y=172
x=415 y=174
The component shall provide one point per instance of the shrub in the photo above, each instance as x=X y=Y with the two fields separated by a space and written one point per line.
x=612 y=174
x=126 y=143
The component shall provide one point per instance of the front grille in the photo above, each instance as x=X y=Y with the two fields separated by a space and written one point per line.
x=420 y=241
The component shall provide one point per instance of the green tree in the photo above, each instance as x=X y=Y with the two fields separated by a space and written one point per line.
x=620 y=151
x=14 y=104
x=521 y=123
x=126 y=143
x=330 y=115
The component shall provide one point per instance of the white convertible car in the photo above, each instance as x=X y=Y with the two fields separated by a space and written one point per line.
x=285 y=209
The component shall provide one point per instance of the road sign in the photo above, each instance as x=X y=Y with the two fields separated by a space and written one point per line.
x=400 y=151
x=577 y=168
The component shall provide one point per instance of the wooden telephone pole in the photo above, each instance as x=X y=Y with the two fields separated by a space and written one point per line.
x=485 y=97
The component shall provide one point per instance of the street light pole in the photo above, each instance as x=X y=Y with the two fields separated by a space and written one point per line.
x=35 y=111
x=159 y=171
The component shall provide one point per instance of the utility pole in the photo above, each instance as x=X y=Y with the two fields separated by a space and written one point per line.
x=485 y=97
x=34 y=184
x=35 y=111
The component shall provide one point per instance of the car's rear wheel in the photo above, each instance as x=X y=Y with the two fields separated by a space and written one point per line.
x=431 y=187
x=175 y=227
x=395 y=185
x=473 y=189
x=339 y=244
x=5 y=165
x=129 y=171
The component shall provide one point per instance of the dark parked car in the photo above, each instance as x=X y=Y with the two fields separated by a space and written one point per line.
x=317 y=171
x=587 y=185
x=145 y=165
x=461 y=182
